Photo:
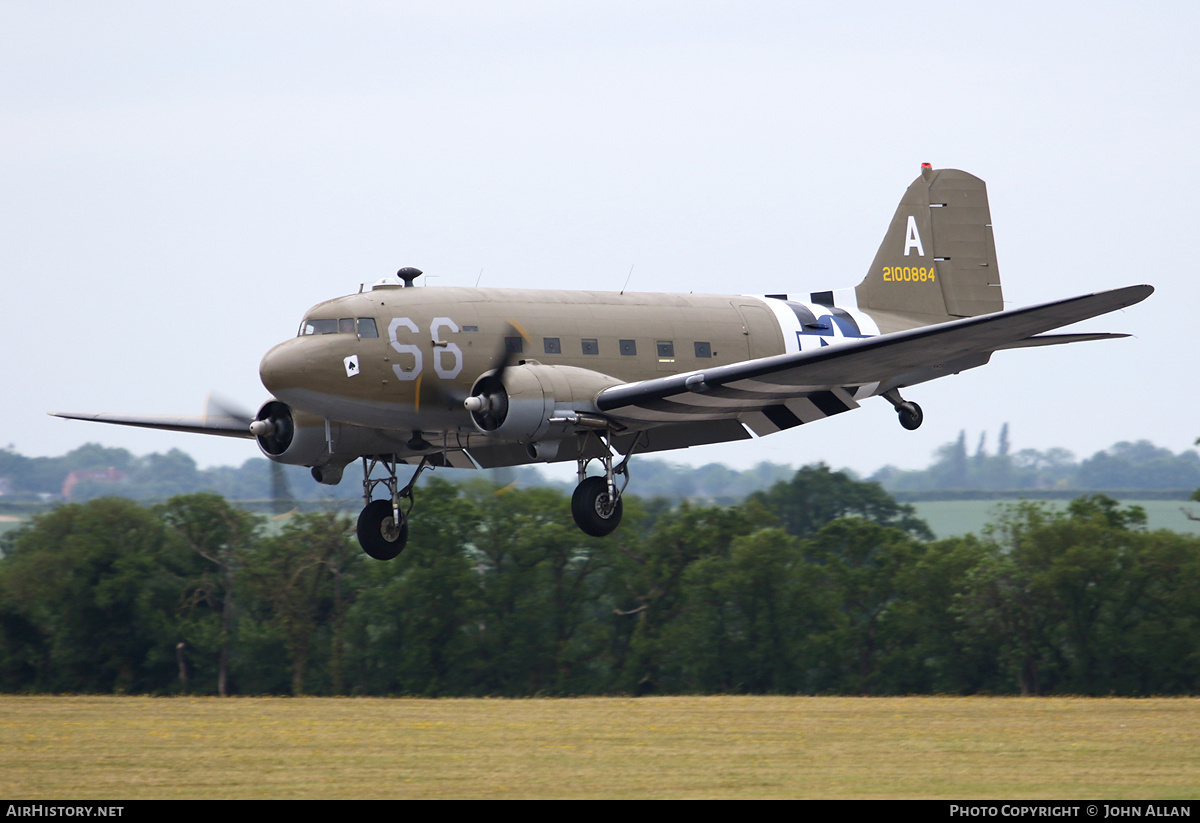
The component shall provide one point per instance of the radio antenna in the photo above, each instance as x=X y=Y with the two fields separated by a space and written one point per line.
x=480 y=277
x=631 y=265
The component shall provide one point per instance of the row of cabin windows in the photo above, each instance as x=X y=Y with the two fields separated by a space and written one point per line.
x=365 y=327
x=590 y=345
x=362 y=326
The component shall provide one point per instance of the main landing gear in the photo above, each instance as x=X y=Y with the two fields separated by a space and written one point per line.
x=383 y=524
x=910 y=414
x=596 y=503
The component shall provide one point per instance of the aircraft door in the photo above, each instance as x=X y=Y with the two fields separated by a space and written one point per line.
x=763 y=337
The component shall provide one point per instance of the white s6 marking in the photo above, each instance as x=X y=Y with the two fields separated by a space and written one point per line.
x=441 y=350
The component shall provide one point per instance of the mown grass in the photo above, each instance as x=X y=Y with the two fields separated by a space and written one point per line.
x=58 y=748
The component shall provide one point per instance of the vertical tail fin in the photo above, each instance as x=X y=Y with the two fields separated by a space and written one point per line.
x=938 y=259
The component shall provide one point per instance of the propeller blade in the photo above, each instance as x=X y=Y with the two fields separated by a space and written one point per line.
x=504 y=358
x=226 y=408
x=489 y=403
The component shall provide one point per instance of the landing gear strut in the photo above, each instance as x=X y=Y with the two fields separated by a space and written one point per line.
x=383 y=524
x=911 y=416
x=596 y=503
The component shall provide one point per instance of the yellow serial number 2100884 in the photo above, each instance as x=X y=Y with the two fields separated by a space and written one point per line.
x=909 y=274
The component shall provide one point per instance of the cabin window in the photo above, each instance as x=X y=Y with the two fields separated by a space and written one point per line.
x=703 y=349
x=591 y=346
x=366 y=327
x=666 y=351
x=552 y=345
x=514 y=345
x=628 y=348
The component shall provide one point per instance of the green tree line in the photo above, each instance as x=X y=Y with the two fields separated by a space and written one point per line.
x=157 y=477
x=820 y=585
x=1125 y=465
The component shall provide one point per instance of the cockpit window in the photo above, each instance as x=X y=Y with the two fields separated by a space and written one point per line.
x=366 y=327
x=319 y=327
x=346 y=325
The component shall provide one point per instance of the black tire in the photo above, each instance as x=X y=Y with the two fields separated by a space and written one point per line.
x=912 y=420
x=591 y=508
x=377 y=533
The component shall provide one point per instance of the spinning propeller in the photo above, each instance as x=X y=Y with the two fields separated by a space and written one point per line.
x=488 y=402
x=272 y=428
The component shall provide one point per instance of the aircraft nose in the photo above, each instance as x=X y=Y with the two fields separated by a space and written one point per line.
x=284 y=367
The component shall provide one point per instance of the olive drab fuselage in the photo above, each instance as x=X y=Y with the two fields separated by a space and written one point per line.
x=431 y=344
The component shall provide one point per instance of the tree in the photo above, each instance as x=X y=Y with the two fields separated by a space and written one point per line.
x=539 y=582
x=92 y=589
x=816 y=496
x=298 y=578
x=222 y=537
x=863 y=568
x=1140 y=465
x=1059 y=593
x=648 y=583
x=744 y=618
x=940 y=658
x=416 y=624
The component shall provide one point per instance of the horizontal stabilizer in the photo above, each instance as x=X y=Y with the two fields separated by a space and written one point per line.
x=1059 y=339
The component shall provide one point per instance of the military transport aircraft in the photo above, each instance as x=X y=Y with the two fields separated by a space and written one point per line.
x=471 y=377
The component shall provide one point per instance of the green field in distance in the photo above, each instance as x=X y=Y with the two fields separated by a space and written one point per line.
x=952 y=518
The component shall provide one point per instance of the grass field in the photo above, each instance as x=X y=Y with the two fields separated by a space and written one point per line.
x=123 y=748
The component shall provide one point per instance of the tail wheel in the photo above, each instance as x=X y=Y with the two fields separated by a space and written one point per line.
x=378 y=533
x=911 y=416
x=594 y=510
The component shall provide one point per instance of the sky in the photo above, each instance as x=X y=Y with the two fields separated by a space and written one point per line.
x=181 y=182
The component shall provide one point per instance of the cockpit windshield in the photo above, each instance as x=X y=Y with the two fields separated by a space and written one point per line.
x=362 y=326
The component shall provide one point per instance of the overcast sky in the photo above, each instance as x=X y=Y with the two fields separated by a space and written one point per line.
x=182 y=181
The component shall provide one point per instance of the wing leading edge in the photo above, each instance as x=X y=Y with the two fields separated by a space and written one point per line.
x=224 y=425
x=797 y=388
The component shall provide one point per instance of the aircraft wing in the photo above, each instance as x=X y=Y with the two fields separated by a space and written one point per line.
x=224 y=425
x=773 y=393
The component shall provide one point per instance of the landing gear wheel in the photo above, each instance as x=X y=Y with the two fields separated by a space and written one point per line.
x=377 y=531
x=911 y=416
x=593 y=509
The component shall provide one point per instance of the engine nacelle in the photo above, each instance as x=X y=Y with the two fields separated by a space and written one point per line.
x=284 y=439
x=518 y=402
x=301 y=439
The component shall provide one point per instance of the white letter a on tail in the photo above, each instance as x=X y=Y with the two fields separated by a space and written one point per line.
x=914 y=238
